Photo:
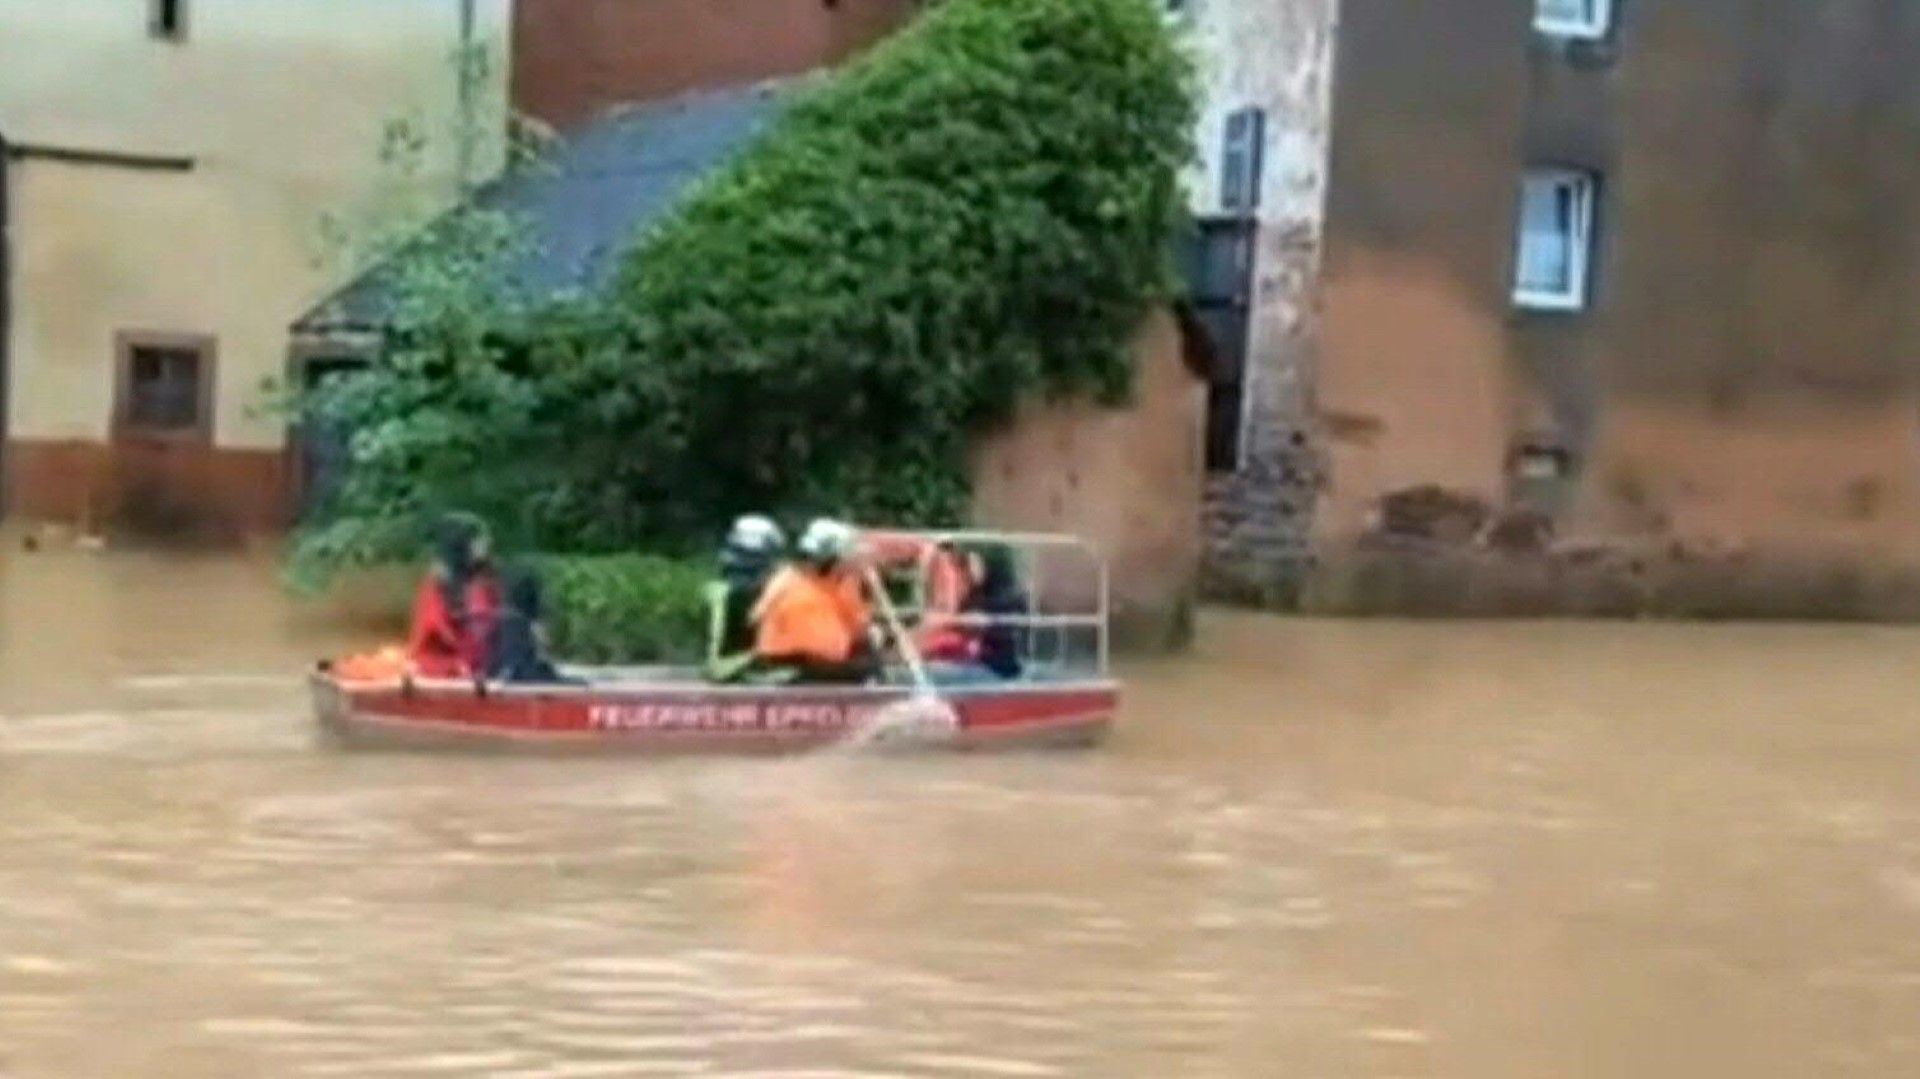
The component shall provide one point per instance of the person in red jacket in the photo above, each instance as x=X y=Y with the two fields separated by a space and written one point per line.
x=458 y=602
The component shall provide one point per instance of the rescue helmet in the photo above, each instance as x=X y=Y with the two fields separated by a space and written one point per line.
x=827 y=540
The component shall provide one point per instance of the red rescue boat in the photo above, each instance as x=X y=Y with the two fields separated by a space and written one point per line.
x=666 y=713
x=1066 y=697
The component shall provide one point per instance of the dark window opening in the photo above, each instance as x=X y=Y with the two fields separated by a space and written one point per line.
x=163 y=389
x=1241 y=160
x=322 y=447
x=169 y=19
x=1219 y=276
x=1226 y=412
x=165 y=386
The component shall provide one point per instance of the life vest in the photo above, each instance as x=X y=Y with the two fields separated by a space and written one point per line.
x=806 y=616
x=389 y=664
x=850 y=595
x=947 y=580
x=947 y=585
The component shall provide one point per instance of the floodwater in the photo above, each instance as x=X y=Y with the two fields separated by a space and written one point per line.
x=1315 y=849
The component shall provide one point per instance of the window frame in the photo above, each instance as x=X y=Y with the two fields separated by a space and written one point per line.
x=156 y=22
x=1250 y=150
x=1597 y=26
x=1582 y=242
x=206 y=351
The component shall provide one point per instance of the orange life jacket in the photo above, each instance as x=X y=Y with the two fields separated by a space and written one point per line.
x=807 y=616
x=850 y=592
x=387 y=665
x=947 y=581
x=948 y=584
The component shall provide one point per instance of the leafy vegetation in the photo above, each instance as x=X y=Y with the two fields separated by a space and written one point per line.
x=625 y=608
x=975 y=213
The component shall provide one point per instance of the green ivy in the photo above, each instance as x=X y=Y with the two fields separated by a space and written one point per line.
x=976 y=213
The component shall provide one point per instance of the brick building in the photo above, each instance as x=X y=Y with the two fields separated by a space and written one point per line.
x=572 y=58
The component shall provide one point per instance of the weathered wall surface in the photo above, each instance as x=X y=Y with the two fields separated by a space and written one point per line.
x=183 y=491
x=1415 y=380
x=1127 y=480
x=1277 y=55
x=281 y=106
x=573 y=58
x=1736 y=410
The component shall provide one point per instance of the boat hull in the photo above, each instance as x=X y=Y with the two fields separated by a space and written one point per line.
x=680 y=717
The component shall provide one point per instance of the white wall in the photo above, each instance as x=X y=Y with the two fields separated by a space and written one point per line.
x=1277 y=55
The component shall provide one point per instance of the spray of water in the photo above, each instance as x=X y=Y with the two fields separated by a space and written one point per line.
x=919 y=722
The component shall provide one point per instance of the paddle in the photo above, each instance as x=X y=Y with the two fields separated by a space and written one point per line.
x=926 y=713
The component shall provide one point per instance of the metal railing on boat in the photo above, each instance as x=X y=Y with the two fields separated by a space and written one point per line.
x=1034 y=584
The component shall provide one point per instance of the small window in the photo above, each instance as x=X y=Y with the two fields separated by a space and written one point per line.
x=165 y=386
x=1585 y=19
x=1555 y=254
x=1240 y=160
x=167 y=19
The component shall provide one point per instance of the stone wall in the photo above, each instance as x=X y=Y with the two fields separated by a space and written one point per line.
x=1276 y=55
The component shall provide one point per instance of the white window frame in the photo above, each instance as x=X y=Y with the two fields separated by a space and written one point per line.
x=1580 y=241
x=1596 y=25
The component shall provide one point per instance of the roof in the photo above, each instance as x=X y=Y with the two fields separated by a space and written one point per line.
x=604 y=184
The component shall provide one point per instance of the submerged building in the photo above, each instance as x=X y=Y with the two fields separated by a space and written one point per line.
x=1562 y=305
x=167 y=165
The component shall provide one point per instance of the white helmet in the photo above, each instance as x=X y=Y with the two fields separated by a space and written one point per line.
x=756 y=534
x=827 y=539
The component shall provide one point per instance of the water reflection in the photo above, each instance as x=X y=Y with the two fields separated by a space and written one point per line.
x=1334 y=849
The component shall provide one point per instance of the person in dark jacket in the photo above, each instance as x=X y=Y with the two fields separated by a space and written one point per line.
x=998 y=594
x=518 y=652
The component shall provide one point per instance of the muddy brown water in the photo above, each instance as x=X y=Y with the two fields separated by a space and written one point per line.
x=1315 y=849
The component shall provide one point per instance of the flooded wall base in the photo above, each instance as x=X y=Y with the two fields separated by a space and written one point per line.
x=1277 y=56
x=184 y=492
x=1621 y=582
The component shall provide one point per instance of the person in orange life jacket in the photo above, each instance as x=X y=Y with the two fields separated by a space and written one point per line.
x=812 y=623
x=990 y=644
x=457 y=604
x=950 y=582
x=947 y=580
